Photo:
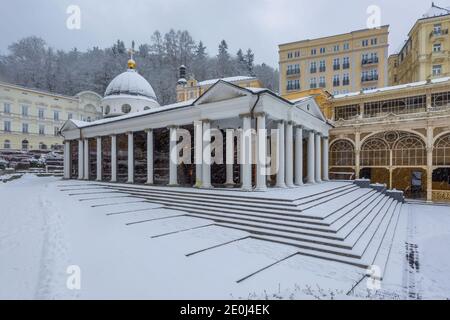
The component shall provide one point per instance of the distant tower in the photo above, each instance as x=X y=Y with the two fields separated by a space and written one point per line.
x=182 y=76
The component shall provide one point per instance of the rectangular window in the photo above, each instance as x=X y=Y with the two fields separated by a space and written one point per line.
x=437 y=47
x=7 y=126
x=297 y=54
x=437 y=70
x=322 y=50
x=336 y=64
x=346 y=112
x=313 y=83
x=41 y=129
x=346 y=46
x=346 y=63
x=336 y=48
x=24 y=127
x=313 y=52
x=437 y=29
x=365 y=43
x=7 y=108
x=24 y=111
x=293 y=69
x=41 y=113
x=336 y=80
x=289 y=55
x=322 y=82
x=346 y=79
x=322 y=67
x=56 y=131
x=69 y=116
x=56 y=115
x=374 y=41
x=313 y=67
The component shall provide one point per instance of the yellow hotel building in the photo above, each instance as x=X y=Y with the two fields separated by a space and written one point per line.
x=31 y=119
x=426 y=53
x=339 y=64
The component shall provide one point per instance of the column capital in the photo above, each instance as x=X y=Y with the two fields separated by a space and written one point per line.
x=325 y=137
x=205 y=120
x=245 y=115
x=299 y=126
x=148 y=130
x=260 y=114
x=289 y=122
x=173 y=127
x=129 y=133
x=279 y=121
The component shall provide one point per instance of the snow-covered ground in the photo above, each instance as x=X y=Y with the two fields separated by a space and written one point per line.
x=127 y=248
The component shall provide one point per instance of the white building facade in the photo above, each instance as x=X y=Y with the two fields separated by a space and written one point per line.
x=229 y=137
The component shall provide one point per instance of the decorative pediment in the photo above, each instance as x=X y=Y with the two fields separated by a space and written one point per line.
x=221 y=91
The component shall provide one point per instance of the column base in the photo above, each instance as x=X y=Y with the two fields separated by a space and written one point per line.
x=172 y=185
x=247 y=189
x=149 y=184
x=206 y=187
x=230 y=185
x=281 y=186
x=130 y=182
x=261 y=189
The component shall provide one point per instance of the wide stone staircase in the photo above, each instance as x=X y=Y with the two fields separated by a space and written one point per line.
x=343 y=223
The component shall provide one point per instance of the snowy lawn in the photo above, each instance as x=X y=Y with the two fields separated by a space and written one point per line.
x=128 y=248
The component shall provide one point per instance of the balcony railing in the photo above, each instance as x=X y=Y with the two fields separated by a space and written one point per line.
x=322 y=69
x=369 y=61
x=292 y=72
x=322 y=85
x=438 y=33
x=336 y=83
x=313 y=86
x=369 y=78
x=346 y=66
x=345 y=82
x=336 y=67
x=313 y=70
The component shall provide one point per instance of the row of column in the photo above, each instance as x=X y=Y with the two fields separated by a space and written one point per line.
x=290 y=164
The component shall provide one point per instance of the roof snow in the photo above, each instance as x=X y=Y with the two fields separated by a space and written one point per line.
x=82 y=124
x=436 y=11
x=402 y=86
x=229 y=79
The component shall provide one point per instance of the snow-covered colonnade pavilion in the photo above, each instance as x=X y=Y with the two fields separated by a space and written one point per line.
x=132 y=144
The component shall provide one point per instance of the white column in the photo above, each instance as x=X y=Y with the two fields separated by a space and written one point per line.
x=99 y=158
x=67 y=157
x=86 y=159
x=150 y=157
x=229 y=157
x=130 y=158
x=311 y=156
x=281 y=156
x=206 y=165
x=246 y=154
x=289 y=156
x=198 y=155
x=299 y=155
x=325 y=159
x=318 y=159
x=80 y=159
x=114 y=158
x=261 y=176
x=173 y=161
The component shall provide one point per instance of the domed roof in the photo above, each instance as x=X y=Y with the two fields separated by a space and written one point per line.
x=130 y=82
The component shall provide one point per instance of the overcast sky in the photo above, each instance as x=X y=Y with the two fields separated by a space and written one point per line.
x=257 y=24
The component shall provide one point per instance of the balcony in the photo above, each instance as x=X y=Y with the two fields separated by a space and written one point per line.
x=369 y=78
x=313 y=86
x=322 y=69
x=346 y=66
x=369 y=61
x=293 y=72
x=336 y=83
x=336 y=67
x=312 y=70
x=346 y=82
x=438 y=33
x=322 y=85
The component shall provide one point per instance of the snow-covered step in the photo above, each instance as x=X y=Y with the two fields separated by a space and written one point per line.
x=340 y=218
x=325 y=199
x=292 y=228
x=325 y=209
x=384 y=250
x=311 y=242
x=362 y=218
x=361 y=240
x=330 y=256
x=230 y=203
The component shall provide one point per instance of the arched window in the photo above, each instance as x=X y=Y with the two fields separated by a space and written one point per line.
x=7 y=144
x=342 y=153
x=375 y=152
x=25 y=144
x=126 y=108
x=409 y=151
x=441 y=152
